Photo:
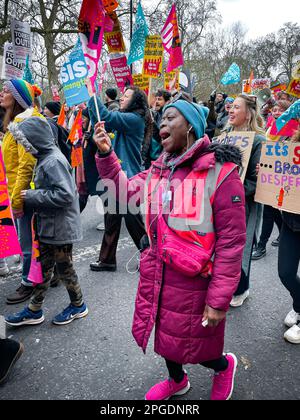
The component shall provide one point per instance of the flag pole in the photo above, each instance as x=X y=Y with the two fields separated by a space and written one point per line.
x=96 y=106
x=131 y=27
x=150 y=90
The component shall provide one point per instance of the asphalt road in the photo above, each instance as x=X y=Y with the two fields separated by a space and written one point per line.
x=96 y=358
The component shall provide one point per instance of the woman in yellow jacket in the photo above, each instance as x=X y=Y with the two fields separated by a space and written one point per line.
x=17 y=98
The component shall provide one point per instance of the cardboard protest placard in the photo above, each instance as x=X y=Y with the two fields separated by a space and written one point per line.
x=121 y=71
x=153 y=58
x=21 y=40
x=9 y=244
x=169 y=79
x=260 y=84
x=35 y=274
x=294 y=88
x=279 y=87
x=244 y=141
x=142 y=82
x=296 y=70
x=278 y=183
x=11 y=68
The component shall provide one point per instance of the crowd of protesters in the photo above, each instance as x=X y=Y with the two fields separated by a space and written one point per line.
x=149 y=152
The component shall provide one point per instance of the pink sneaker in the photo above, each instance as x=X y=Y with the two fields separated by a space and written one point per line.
x=168 y=388
x=223 y=382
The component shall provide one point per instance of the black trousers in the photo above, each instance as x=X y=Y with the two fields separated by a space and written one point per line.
x=113 y=222
x=288 y=263
x=270 y=216
x=176 y=370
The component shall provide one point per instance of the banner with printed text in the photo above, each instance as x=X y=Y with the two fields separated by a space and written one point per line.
x=110 y=5
x=169 y=80
x=153 y=58
x=21 y=40
x=114 y=39
x=244 y=141
x=294 y=88
x=121 y=71
x=9 y=244
x=260 y=84
x=278 y=183
x=73 y=74
x=142 y=82
x=11 y=68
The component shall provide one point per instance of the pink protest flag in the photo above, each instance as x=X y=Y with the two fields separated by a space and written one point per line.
x=91 y=24
x=270 y=121
x=35 y=273
x=287 y=131
x=171 y=41
x=108 y=24
x=104 y=68
x=9 y=244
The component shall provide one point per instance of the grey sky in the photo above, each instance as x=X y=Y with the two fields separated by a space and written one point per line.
x=259 y=16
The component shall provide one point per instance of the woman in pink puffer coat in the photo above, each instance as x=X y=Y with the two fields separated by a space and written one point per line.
x=191 y=262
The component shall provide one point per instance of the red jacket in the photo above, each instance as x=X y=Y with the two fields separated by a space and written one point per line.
x=166 y=298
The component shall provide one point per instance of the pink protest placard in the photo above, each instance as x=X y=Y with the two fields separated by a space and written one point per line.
x=35 y=273
x=121 y=71
x=9 y=244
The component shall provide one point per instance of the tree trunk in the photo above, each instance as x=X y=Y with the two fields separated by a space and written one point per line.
x=52 y=71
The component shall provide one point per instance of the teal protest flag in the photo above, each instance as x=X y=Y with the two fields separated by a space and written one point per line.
x=293 y=112
x=140 y=32
x=27 y=75
x=233 y=75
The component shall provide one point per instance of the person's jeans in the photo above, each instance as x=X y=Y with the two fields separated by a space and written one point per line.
x=271 y=215
x=25 y=237
x=288 y=263
x=113 y=223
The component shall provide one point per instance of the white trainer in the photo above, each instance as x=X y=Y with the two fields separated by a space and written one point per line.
x=101 y=226
x=293 y=335
x=238 y=301
x=291 y=319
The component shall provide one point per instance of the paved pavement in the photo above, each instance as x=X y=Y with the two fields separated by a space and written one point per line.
x=96 y=358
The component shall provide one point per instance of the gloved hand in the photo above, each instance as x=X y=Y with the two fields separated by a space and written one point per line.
x=212 y=97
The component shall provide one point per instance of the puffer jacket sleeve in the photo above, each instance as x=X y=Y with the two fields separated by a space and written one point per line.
x=114 y=120
x=112 y=176
x=61 y=191
x=230 y=228
x=26 y=166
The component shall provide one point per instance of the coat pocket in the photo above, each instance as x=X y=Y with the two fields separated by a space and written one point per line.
x=46 y=225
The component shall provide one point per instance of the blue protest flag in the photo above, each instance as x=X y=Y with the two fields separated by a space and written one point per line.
x=73 y=74
x=233 y=75
x=140 y=33
x=27 y=75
